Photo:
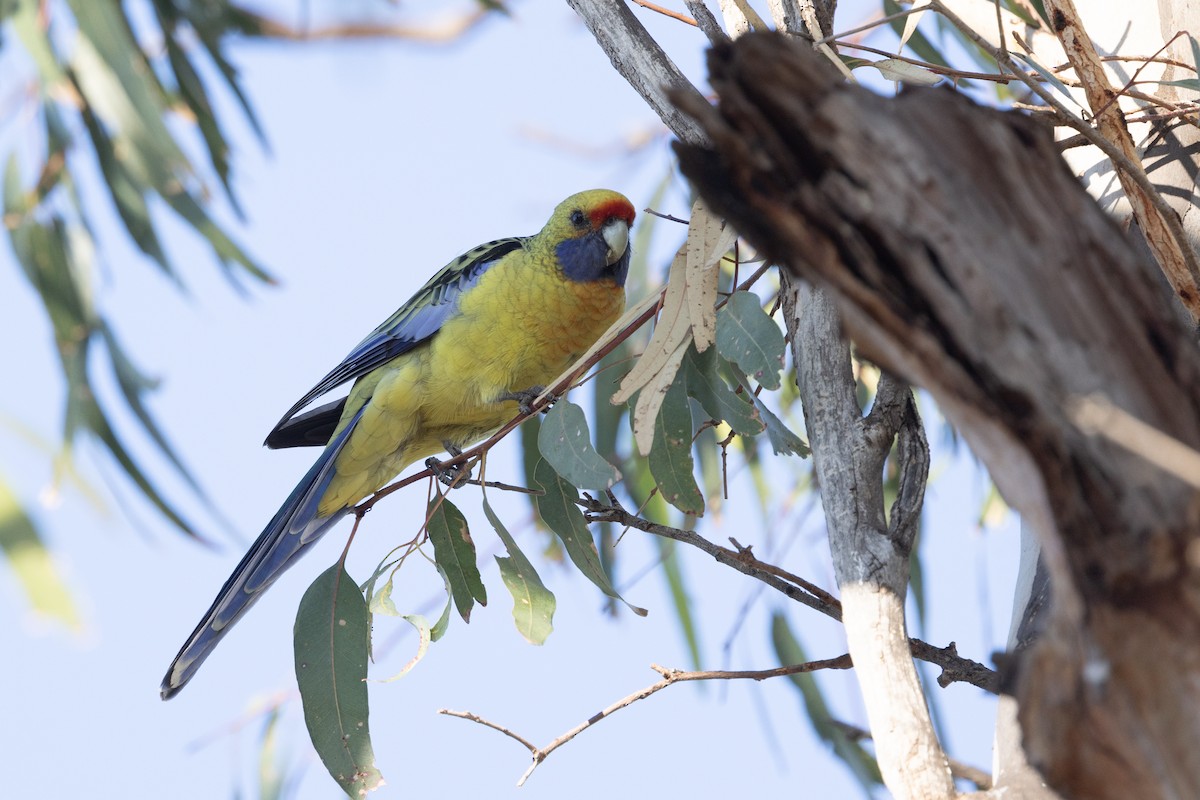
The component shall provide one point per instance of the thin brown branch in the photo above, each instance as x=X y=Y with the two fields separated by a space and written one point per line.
x=675 y=675
x=666 y=12
x=599 y=512
x=669 y=676
x=532 y=748
x=866 y=26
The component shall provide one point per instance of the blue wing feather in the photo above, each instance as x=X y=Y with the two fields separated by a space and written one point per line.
x=418 y=319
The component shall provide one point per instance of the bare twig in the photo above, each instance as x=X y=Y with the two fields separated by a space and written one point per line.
x=666 y=12
x=476 y=718
x=598 y=512
x=669 y=676
x=874 y=23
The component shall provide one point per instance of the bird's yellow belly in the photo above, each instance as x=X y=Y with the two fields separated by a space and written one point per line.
x=511 y=333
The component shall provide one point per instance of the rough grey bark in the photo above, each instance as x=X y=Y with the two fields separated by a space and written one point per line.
x=966 y=258
x=870 y=551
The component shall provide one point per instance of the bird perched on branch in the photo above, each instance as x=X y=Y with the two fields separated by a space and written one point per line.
x=452 y=365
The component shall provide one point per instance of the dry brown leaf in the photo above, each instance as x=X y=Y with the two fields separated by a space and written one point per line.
x=704 y=230
x=645 y=411
x=670 y=330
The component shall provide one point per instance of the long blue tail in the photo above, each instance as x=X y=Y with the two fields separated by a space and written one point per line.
x=290 y=532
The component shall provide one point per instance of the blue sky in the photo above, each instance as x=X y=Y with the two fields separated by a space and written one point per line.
x=386 y=160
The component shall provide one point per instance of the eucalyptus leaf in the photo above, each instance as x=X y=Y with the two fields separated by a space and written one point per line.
x=331 y=634
x=566 y=442
x=455 y=554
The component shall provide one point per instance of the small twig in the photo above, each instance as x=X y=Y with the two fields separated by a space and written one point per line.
x=476 y=718
x=666 y=12
x=669 y=676
x=599 y=512
x=747 y=554
x=504 y=487
x=869 y=25
x=667 y=217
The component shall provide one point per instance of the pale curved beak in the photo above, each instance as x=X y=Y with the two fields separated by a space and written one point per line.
x=616 y=236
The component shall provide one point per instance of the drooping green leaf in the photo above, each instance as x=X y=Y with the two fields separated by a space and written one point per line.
x=127 y=194
x=783 y=440
x=703 y=382
x=748 y=337
x=606 y=423
x=533 y=603
x=50 y=255
x=443 y=622
x=35 y=38
x=789 y=651
x=671 y=454
x=455 y=554
x=133 y=385
x=565 y=441
x=331 y=635
x=194 y=95
x=530 y=432
x=32 y=563
x=560 y=513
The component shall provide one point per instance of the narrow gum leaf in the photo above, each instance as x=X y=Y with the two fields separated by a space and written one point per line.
x=454 y=552
x=331 y=635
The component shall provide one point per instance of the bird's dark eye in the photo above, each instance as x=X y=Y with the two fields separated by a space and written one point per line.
x=578 y=219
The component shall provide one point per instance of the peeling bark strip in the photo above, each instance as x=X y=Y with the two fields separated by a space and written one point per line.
x=965 y=258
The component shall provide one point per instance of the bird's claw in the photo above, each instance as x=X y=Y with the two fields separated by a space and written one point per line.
x=452 y=475
x=525 y=399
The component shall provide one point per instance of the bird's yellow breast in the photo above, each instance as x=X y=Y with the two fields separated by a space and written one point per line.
x=519 y=327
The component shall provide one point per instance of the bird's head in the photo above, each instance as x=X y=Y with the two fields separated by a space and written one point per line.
x=590 y=231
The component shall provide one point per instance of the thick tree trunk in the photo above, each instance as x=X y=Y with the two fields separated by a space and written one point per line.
x=965 y=257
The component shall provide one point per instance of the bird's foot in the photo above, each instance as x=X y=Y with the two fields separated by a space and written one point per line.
x=525 y=399
x=453 y=475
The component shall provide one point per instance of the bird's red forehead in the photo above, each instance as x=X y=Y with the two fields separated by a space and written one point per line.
x=617 y=207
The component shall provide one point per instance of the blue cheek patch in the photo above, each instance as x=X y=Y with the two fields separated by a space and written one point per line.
x=583 y=260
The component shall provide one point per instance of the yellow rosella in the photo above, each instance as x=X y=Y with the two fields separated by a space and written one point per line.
x=446 y=370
